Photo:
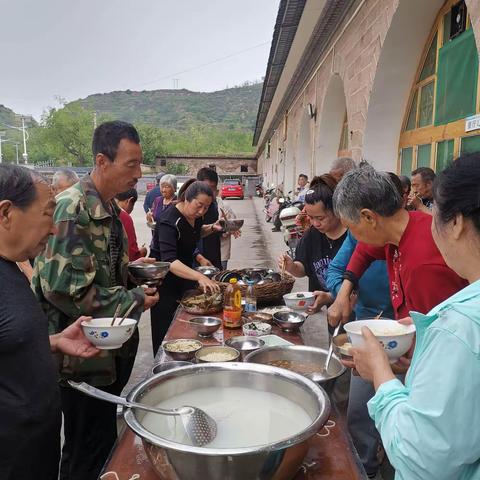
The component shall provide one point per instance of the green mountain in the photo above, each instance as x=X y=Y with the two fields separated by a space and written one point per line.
x=232 y=108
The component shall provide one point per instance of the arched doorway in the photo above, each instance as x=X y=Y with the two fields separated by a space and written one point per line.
x=333 y=128
x=304 y=150
x=399 y=58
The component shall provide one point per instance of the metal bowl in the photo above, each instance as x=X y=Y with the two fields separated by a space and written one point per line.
x=164 y=366
x=257 y=317
x=205 y=326
x=148 y=273
x=338 y=346
x=200 y=355
x=232 y=225
x=302 y=353
x=208 y=271
x=182 y=355
x=245 y=344
x=289 y=321
x=280 y=460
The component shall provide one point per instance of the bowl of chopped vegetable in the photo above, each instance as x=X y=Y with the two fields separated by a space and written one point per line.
x=255 y=329
x=182 y=349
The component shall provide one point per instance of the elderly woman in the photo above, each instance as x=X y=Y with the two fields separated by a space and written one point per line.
x=168 y=187
x=29 y=396
x=429 y=426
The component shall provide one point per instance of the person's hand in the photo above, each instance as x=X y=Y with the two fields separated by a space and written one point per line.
x=203 y=262
x=321 y=299
x=237 y=234
x=72 y=341
x=150 y=218
x=285 y=262
x=143 y=251
x=145 y=260
x=151 y=297
x=414 y=200
x=401 y=366
x=207 y=285
x=371 y=361
x=217 y=226
x=405 y=321
x=341 y=309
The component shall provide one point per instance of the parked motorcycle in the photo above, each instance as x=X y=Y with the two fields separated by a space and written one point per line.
x=288 y=210
x=291 y=231
x=259 y=190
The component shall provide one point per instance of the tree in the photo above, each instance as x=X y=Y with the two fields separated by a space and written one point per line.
x=152 y=142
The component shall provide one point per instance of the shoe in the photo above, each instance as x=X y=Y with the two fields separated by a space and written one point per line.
x=274 y=229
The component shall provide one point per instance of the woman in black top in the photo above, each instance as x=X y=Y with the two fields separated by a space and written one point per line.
x=320 y=243
x=30 y=415
x=177 y=232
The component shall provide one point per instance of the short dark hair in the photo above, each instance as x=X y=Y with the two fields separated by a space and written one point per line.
x=303 y=176
x=108 y=136
x=455 y=190
x=207 y=174
x=192 y=189
x=427 y=174
x=406 y=183
x=397 y=182
x=132 y=193
x=17 y=184
x=322 y=191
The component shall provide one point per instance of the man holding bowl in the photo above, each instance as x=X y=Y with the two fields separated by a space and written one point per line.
x=83 y=270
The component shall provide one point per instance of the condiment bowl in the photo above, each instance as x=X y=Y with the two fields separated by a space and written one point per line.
x=245 y=344
x=205 y=326
x=395 y=338
x=289 y=321
x=206 y=354
x=101 y=333
x=299 y=300
x=164 y=366
x=255 y=329
x=187 y=353
x=148 y=273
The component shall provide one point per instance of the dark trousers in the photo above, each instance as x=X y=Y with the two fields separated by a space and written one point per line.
x=90 y=427
x=161 y=316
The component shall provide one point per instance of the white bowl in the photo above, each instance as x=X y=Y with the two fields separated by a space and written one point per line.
x=255 y=329
x=105 y=337
x=299 y=300
x=395 y=338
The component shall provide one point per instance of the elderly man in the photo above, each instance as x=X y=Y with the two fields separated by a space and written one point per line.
x=63 y=179
x=421 y=196
x=83 y=270
x=340 y=166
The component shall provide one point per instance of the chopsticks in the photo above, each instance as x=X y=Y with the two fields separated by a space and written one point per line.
x=116 y=314
x=379 y=315
x=127 y=313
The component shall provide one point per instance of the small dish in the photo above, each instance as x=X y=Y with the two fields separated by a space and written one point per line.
x=255 y=329
x=217 y=354
x=182 y=349
x=245 y=344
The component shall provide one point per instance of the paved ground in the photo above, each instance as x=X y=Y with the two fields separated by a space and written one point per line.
x=258 y=246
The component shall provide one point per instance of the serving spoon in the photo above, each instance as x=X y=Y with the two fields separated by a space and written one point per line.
x=199 y=426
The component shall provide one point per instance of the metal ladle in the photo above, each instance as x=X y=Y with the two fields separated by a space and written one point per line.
x=199 y=426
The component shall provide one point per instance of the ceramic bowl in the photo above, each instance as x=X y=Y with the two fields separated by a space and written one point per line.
x=104 y=336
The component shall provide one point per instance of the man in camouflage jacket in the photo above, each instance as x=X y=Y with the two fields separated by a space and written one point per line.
x=83 y=271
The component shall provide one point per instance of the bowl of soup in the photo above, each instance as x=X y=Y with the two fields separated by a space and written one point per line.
x=264 y=415
x=395 y=338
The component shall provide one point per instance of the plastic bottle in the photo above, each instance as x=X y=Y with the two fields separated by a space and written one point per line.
x=250 y=298
x=232 y=307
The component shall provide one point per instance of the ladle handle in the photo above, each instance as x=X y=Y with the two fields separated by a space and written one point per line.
x=108 y=397
x=330 y=348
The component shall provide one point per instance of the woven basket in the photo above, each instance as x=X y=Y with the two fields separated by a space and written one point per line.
x=268 y=292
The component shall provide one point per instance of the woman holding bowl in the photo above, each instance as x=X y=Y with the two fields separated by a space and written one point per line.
x=429 y=426
x=177 y=233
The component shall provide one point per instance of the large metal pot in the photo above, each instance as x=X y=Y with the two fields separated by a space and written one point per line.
x=302 y=353
x=277 y=461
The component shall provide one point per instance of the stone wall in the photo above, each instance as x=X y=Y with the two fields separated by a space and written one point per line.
x=224 y=165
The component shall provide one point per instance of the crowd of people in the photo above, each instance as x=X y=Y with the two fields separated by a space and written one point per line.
x=373 y=242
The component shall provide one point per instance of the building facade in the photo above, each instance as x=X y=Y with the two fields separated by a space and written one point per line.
x=394 y=82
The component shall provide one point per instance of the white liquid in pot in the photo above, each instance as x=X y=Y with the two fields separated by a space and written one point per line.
x=244 y=417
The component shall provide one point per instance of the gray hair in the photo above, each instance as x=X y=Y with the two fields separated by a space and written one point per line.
x=366 y=188
x=171 y=180
x=345 y=164
x=66 y=174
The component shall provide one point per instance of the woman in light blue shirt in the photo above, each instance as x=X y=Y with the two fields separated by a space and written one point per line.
x=430 y=427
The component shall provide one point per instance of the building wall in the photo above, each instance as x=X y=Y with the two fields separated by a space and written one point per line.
x=368 y=70
x=223 y=165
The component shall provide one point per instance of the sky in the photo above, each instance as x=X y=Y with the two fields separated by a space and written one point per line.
x=71 y=49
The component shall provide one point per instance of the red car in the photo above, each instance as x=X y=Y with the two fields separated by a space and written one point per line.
x=232 y=188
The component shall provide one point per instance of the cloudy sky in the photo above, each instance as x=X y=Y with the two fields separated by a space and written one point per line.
x=72 y=49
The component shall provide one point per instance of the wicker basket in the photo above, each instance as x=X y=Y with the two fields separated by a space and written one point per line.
x=269 y=292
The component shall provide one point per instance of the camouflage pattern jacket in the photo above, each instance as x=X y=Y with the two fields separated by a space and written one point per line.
x=73 y=275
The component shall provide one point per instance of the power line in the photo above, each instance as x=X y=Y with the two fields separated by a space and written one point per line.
x=226 y=57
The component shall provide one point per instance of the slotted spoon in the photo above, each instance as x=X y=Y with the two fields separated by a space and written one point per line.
x=199 y=426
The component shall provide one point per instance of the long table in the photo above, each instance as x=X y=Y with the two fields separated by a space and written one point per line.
x=331 y=454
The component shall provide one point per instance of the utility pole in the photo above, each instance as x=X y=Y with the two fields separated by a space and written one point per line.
x=175 y=83
x=2 y=134
x=25 y=154
x=94 y=120
x=16 y=149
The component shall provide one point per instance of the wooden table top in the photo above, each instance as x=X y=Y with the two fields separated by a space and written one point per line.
x=331 y=454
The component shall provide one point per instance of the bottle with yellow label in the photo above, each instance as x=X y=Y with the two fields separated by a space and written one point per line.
x=232 y=307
